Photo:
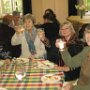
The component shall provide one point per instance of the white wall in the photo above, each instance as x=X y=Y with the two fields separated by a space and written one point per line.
x=60 y=8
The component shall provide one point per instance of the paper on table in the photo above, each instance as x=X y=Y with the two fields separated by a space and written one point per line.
x=3 y=88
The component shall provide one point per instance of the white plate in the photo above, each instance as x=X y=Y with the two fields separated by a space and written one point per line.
x=25 y=60
x=50 y=78
x=45 y=65
x=2 y=88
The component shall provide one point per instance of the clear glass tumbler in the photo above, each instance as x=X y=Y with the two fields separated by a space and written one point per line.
x=20 y=72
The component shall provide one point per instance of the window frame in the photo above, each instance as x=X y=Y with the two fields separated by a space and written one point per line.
x=12 y=7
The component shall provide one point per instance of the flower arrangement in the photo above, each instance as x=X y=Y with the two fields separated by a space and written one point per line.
x=82 y=9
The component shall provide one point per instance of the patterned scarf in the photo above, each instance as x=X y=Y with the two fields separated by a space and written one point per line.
x=30 y=38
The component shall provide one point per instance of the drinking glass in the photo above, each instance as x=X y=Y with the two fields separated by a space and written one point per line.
x=61 y=44
x=19 y=70
x=41 y=34
x=2 y=68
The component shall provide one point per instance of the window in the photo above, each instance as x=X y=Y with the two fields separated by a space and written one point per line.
x=87 y=3
x=8 y=6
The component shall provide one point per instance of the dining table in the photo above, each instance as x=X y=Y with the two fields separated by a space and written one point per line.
x=33 y=78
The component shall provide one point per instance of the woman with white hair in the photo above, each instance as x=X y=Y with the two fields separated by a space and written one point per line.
x=68 y=35
x=28 y=38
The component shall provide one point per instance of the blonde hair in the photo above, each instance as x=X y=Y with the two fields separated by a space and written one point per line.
x=69 y=24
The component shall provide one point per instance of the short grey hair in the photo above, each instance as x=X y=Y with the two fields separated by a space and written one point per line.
x=29 y=16
x=16 y=13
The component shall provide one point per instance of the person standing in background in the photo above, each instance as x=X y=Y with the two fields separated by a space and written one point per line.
x=50 y=11
x=51 y=29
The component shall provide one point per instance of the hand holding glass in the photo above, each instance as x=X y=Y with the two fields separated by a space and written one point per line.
x=61 y=44
x=19 y=29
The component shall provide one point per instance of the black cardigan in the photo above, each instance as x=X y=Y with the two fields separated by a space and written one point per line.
x=6 y=34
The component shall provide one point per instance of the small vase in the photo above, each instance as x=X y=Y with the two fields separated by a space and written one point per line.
x=81 y=14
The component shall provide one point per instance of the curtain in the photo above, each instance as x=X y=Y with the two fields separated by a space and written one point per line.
x=71 y=6
x=27 y=6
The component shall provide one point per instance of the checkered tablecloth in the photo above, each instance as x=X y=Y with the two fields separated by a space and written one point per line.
x=32 y=80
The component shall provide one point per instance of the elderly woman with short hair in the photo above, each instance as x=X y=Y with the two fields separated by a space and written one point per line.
x=28 y=38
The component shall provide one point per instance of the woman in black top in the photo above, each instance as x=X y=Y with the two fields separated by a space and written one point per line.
x=74 y=47
x=6 y=33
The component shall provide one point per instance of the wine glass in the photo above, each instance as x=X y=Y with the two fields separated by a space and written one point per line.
x=19 y=70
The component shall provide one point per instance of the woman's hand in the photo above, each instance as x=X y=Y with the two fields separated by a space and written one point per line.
x=41 y=35
x=61 y=44
x=68 y=87
x=31 y=56
x=19 y=29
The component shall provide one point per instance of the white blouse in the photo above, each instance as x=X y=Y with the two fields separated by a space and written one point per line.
x=25 y=53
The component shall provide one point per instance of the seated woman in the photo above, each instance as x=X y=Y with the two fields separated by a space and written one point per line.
x=6 y=33
x=82 y=60
x=27 y=36
x=74 y=47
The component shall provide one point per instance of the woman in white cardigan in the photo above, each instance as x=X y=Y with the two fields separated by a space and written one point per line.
x=31 y=45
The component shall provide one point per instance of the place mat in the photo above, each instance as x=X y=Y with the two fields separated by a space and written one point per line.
x=25 y=60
